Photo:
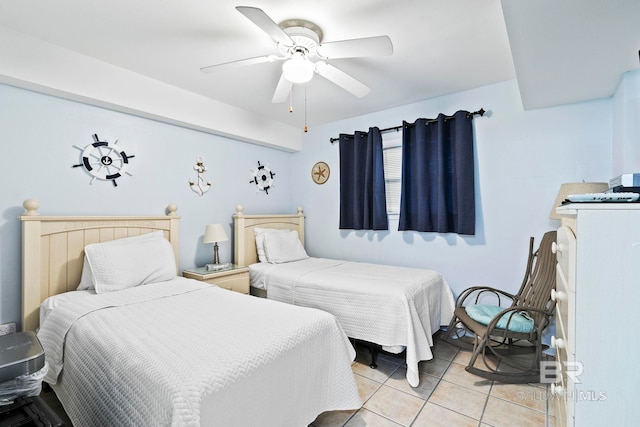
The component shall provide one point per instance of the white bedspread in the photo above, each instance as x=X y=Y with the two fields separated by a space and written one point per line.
x=184 y=353
x=386 y=305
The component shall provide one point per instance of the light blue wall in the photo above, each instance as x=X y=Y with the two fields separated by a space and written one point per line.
x=626 y=125
x=38 y=136
x=522 y=158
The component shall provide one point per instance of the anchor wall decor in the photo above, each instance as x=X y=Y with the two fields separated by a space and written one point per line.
x=200 y=187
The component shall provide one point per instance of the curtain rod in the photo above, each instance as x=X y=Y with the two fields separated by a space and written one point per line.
x=480 y=113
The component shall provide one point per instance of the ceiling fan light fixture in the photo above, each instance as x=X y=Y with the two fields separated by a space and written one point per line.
x=298 y=70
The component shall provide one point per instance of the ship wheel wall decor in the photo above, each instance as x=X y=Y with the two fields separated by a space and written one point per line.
x=262 y=178
x=103 y=160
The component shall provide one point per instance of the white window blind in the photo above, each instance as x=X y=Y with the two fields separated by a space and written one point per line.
x=392 y=156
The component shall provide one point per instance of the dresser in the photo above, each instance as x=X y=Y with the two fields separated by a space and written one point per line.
x=597 y=315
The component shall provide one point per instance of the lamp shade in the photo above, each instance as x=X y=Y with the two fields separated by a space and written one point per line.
x=297 y=70
x=576 y=188
x=214 y=233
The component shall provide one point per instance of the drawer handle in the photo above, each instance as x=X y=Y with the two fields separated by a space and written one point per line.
x=557 y=248
x=557 y=390
x=557 y=342
x=557 y=295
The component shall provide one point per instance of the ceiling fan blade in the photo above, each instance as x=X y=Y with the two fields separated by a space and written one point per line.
x=282 y=90
x=262 y=20
x=354 y=48
x=239 y=63
x=342 y=79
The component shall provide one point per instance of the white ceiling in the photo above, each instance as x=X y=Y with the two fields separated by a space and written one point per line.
x=559 y=51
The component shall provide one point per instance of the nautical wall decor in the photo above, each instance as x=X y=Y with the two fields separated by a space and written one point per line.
x=262 y=177
x=200 y=187
x=103 y=160
x=320 y=173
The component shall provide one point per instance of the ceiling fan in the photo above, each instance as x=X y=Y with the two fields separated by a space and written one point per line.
x=298 y=42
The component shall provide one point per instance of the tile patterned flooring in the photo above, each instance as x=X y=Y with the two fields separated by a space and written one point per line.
x=446 y=396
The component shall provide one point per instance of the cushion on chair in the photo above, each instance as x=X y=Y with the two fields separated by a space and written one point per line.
x=520 y=321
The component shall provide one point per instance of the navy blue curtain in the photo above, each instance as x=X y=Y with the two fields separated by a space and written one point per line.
x=362 y=191
x=437 y=191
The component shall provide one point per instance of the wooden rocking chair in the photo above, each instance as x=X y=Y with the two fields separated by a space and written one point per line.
x=500 y=335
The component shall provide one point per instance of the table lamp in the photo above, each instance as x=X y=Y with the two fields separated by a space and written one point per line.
x=569 y=188
x=214 y=233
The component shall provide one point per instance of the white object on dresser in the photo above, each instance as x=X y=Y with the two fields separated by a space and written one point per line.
x=603 y=197
x=598 y=250
x=217 y=267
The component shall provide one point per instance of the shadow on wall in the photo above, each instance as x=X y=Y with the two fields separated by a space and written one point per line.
x=11 y=255
x=370 y=235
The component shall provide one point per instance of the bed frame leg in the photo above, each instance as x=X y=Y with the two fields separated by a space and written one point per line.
x=374 y=349
x=374 y=356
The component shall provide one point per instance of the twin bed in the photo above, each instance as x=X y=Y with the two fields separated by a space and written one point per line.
x=184 y=353
x=175 y=351
x=397 y=308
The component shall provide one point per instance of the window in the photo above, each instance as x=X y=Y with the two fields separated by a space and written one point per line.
x=392 y=156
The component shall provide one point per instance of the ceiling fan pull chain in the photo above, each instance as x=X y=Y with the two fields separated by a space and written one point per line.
x=291 y=100
x=305 y=108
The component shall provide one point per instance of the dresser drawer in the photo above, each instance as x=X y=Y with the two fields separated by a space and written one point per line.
x=565 y=311
x=237 y=282
x=234 y=278
x=558 y=410
x=558 y=395
x=566 y=255
x=563 y=390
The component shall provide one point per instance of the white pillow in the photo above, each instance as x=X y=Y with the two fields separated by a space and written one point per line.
x=86 y=281
x=260 y=233
x=117 y=267
x=283 y=247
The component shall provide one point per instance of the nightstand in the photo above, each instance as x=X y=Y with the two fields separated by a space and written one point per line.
x=235 y=277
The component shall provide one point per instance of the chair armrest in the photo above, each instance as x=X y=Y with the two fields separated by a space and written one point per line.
x=477 y=291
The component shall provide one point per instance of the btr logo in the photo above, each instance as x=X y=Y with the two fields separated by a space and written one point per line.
x=551 y=371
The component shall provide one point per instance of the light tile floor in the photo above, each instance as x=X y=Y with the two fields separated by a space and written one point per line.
x=446 y=396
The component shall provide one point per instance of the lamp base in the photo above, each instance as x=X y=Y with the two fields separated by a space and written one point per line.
x=216 y=258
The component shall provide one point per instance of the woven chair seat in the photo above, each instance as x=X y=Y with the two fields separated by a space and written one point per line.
x=512 y=321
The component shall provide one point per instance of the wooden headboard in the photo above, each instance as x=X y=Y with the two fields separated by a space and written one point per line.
x=244 y=238
x=53 y=249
